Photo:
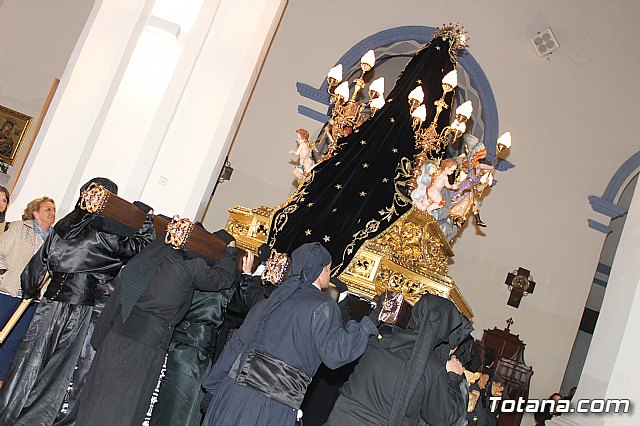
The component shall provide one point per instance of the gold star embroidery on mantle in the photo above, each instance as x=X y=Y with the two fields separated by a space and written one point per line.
x=334 y=210
x=394 y=150
x=310 y=205
x=363 y=142
x=437 y=47
x=385 y=180
x=307 y=232
x=419 y=81
x=365 y=166
x=393 y=120
x=338 y=163
x=326 y=238
x=338 y=186
x=362 y=193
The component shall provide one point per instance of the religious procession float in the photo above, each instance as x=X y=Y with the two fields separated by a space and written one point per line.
x=389 y=182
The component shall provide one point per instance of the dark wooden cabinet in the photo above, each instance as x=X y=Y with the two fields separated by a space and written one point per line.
x=510 y=368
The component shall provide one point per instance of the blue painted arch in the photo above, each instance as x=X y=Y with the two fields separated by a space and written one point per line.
x=422 y=35
x=607 y=203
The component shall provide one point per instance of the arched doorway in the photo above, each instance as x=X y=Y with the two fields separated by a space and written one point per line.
x=614 y=203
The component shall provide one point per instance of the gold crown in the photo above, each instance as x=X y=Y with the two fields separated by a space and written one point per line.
x=455 y=33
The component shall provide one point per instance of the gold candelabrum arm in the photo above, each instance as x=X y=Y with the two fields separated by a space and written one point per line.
x=427 y=139
x=359 y=84
x=347 y=113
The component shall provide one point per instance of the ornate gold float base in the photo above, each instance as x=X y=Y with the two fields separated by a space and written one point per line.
x=411 y=256
x=250 y=227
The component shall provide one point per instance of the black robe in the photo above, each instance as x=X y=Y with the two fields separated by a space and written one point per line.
x=324 y=388
x=69 y=410
x=402 y=378
x=80 y=258
x=130 y=353
x=310 y=333
x=367 y=398
x=190 y=353
x=296 y=329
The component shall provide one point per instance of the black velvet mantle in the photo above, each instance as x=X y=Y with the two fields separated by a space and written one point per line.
x=361 y=190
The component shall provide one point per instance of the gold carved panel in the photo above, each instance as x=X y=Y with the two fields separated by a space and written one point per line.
x=411 y=256
x=250 y=227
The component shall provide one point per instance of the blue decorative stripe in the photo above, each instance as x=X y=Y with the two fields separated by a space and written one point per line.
x=599 y=227
x=501 y=165
x=600 y=282
x=603 y=269
x=421 y=34
x=606 y=207
x=489 y=108
x=312 y=114
x=310 y=92
x=606 y=204
x=620 y=177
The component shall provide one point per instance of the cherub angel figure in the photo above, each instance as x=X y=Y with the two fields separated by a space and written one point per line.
x=466 y=197
x=304 y=151
x=433 y=198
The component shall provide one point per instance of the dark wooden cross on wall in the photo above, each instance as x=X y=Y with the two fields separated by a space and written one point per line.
x=520 y=284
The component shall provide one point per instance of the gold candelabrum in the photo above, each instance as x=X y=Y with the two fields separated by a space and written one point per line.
x=429 y=139
x=347 y=113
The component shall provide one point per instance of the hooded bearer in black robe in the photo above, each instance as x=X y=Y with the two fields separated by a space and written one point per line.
x=135 y=328
x=84 y=251
x=262 y=375
x=190 y=353
x=402 y=377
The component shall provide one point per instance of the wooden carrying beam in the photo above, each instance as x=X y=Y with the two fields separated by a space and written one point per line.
x=19 y=311
x=97 y=199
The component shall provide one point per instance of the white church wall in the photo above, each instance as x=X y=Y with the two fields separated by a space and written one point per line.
x=152 y=114
x=87 y=87
x=32 y=58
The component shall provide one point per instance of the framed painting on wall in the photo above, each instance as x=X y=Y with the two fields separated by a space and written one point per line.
x=14 y=127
